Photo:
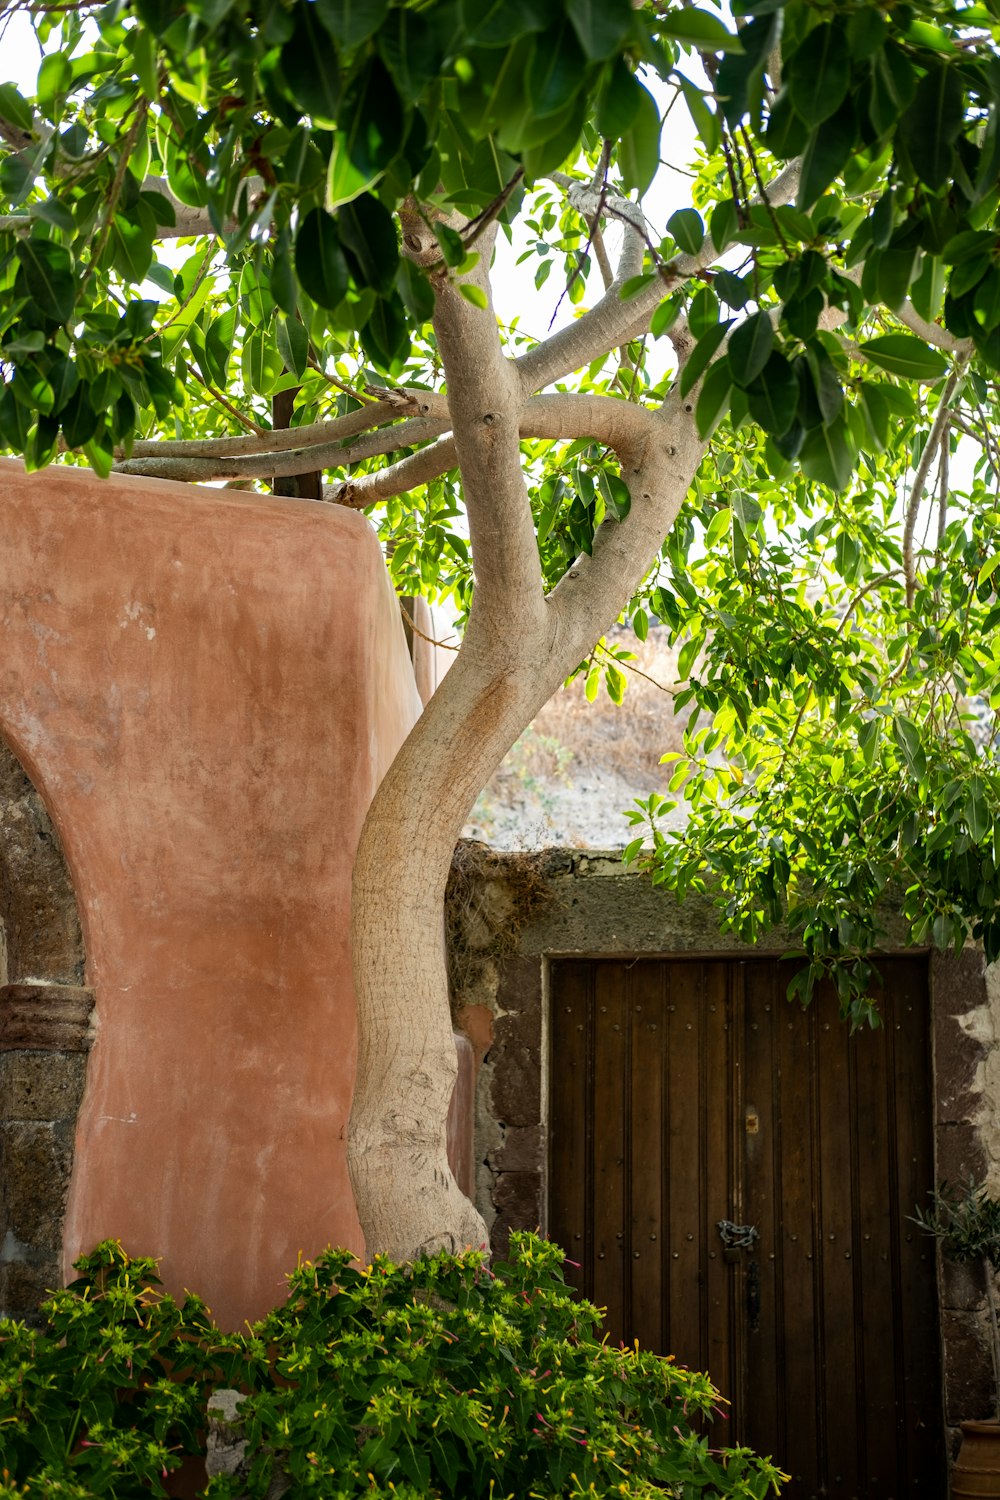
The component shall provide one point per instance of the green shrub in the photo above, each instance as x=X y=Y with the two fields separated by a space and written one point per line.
x=438 y=1379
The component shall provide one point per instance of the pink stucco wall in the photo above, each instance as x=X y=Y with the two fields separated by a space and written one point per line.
x=205 y=687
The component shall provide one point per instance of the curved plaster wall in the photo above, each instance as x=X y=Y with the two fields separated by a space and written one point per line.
x=206 y=687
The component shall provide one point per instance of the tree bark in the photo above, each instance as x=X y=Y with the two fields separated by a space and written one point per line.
x=518 y=648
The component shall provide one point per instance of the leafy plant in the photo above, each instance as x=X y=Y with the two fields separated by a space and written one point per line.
x=967 y=1223
x=442 y=1378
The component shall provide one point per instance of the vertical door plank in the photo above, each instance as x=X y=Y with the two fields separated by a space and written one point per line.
x=646 y=1040
x=759 y=1130
x=795 y=1192
x=838 y=1374
x=686 y=1136
x=718 y=1286
x=908 y=1037
x=876 y=1330
x=612 y=1248
x=571 y=1118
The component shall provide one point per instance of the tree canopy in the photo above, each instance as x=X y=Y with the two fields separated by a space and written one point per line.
x=769 y=428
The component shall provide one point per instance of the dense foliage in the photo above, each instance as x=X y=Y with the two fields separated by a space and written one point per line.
x=442 y=1378
x=830 y=582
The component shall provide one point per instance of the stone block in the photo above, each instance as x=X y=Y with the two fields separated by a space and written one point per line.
x=40 y=1085
x=963 y=1286
x=517 y=1195
x=519 y=1151
x=959 y=1153
x=968 y=1367
x=515 y=1087
x=517 y=1199
x=24 y=1287
x=45 y=1017
x=35 y=1161
x=520 y=987
x=957 y=984
x=959 y=1056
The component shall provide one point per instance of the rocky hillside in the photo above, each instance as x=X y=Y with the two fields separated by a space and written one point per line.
x=575 y=770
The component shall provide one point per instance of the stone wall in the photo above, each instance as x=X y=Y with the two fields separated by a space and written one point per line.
x=44 y=1040
x=584 y=903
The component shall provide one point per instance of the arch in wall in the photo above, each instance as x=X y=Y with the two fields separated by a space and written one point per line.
x=44 y=1040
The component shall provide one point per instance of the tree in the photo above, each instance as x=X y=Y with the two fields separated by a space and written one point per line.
x=338 y=172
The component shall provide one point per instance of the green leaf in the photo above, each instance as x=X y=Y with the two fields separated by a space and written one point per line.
x=818 y=73
x=774 y=395
x=55 y=77
x=988 y=569
x=368 y=236
x=927 y=292
x=666 y=314
x=907 y=737
x=978 y=813
x=293 y=344
x=473 y=294
x=15 y=108
x=385 y=337
x=618 y=101
x=555 y=71
x=933 y=123
x=903 y=354
x=46 y=276
x=868 y=738
x=699 y=28
x=705 y=120
x=319 y=261
x=750 y=348
x=703 y=313
x=601 y=25
x=827 y=455
x=875 y=409
x=688 y=229
x=713 y=399
x=829 y=147
x=498 y=23
x=311 y=67
x=143 y=44
x=351 y=22
x=639 y=157
x=702 y=353
x=452 y=244
x=724 y=224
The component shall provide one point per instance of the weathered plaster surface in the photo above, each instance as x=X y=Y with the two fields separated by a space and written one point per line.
x=205 y=686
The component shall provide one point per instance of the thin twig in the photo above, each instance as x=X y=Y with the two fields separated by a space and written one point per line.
x=920 y=480
x=417 y=631
x=630 y=666
x=228 y=406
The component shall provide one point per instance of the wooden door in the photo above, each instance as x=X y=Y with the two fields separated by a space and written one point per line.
x=689 y=1093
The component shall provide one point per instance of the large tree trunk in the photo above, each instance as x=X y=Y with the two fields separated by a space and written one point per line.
x=407 y=1198
x=518 y=648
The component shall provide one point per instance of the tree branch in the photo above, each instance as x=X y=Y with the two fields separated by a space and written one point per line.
x=336 y=429
x=937 y=432
x=658 y=470
x=611 y=322
x=484 y=397
x=278 y=463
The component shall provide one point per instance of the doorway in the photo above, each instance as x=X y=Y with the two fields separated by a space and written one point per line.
x=735 y=1177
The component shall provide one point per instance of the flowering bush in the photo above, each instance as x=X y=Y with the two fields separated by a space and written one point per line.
x=438 y=1379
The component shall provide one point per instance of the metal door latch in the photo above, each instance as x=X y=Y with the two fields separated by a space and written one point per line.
x=736 y=1237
